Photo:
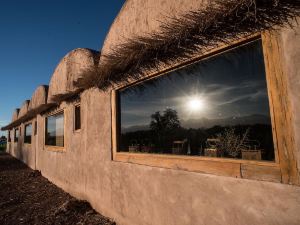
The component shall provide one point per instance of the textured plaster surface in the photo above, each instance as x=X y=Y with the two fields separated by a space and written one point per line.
x=15 y=115
x=24 y=109
x=136 y=194
x=138 y=18
x=24 y=152
x=39 y=97
x=69 y=70
x=291 y=55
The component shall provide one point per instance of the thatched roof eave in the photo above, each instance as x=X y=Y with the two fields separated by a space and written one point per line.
x=28 y=116
x=221 y=21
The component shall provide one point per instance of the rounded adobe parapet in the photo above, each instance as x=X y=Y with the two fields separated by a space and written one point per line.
x=139 y=18
x=39 y=97
x=24 y=109
x=15 y=115
x=69 y=70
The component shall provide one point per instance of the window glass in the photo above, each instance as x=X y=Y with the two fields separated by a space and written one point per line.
x=16 y=137
x=28 y=132
x=217 y=107
x=55 y=130
x=77 y=124
x=9 y=137
x=35 y=127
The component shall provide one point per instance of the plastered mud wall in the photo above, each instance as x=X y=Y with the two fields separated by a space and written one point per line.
x=135 y=194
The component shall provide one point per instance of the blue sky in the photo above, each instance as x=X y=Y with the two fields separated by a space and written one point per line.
x=36 y=34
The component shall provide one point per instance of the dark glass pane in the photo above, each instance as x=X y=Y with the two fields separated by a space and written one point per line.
x=9 y=138
x=35 y=127
x=217 y=107
x=55 y=130
x=16 y=137
x=77 y=118
x=28 y=132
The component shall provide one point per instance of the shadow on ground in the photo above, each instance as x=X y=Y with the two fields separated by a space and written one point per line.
x=26 y=197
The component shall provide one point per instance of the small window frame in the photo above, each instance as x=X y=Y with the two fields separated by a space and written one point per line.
x=25 y=141
x=283 y=170
x=16 y=139
x=77 y=105
x=52 y=147
x=9 y=136
x=35 y=127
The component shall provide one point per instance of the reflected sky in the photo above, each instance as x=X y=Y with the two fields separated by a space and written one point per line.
x=28 y=130
x=229 y=86
x=55 y=125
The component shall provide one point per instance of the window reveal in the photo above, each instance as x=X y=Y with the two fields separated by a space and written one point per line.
x=217 y=107
x=28 y=133
x=55 y=130
x=35 y=127
x=16 y=136
x=77 y=122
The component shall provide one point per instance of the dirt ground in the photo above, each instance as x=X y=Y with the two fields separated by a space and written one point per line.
x=28 y=198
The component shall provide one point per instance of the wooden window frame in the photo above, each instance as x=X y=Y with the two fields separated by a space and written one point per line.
x=74 y=118
x=25 y=143
x=283 y=169
x=52 y=147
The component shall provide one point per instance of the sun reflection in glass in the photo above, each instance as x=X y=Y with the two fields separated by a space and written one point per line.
x=196 y=104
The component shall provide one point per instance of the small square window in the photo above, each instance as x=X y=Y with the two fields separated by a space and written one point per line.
x=77 y=123
x=55 y=130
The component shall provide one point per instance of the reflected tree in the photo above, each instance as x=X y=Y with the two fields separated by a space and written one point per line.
x=164 y=126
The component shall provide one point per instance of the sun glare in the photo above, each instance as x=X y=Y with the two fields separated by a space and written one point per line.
x=195 y=104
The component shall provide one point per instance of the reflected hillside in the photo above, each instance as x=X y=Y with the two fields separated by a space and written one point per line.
x=247 y=137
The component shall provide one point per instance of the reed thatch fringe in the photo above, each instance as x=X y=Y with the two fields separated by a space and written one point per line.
x=28 y=116
x=220 y=22
x=68 y=96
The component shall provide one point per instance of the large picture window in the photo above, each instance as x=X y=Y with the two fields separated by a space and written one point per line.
x=55 y=130
x=28 y=133
x=217 y=107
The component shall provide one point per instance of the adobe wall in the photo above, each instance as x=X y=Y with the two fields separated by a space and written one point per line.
x=24 y=152
x=28 y=150
x=291 y=56
x=135 y=194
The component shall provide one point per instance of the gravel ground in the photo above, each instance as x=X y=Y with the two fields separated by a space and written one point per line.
x=26 y=197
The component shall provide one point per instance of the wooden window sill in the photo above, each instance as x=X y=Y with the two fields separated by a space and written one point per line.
x=54 y=148
x=259 y=170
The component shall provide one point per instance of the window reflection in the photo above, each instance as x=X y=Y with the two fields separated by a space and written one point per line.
x=28 y=132
x=217 y=107
x=16 y=137
x=55 y=130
